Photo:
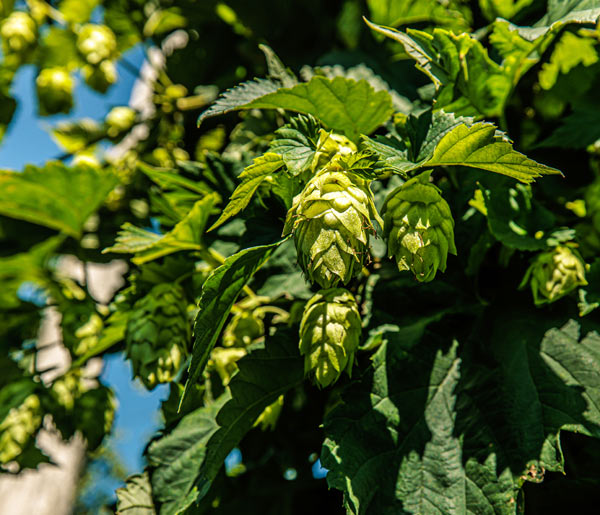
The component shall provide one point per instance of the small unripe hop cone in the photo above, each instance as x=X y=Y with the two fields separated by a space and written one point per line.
x=19 y=427
x=329 y=335
x=554 y=273
x=331 y=222
x=419 y=227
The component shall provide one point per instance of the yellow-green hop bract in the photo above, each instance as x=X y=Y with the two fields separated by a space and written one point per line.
x=96 y=43
x=419 y=227
x=158 y=334
x=223 y=361
x=18 y=33
x=331 y=146
x=54 y=91
x=329 y=335
x=555 y=273
x=19 y=427
x=331 y=222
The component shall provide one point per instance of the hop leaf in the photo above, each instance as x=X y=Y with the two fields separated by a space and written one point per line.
x=419 y=227
x=96 y=43
x=18 y=428
x=158 y=335
x=555 y=273
x=54 y=91
x=329 y=335
x=330 y=220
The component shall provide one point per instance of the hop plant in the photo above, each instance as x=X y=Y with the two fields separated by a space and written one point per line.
x=119 y=119
x=268 y=418
x=158 y=334
x=223 y=361
x=96 y=43
x=18 y=428
x=592 y=204
x=329 y=335
x=100 y=77
x=88 y=334
x=419 y=227
x=331 y=220
x=54 y=91
x=554 y=273
x=18 y=33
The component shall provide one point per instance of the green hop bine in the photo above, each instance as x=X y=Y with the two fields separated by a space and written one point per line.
x=96 y=43
x=419 y=227
x=331 y=222
x=54 y=91
x=158 y=335
x=18 y=428
x=554 y=273
x=18 y=33
x=329 y=335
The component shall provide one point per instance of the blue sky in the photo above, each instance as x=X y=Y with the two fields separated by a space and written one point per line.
x=27 y=141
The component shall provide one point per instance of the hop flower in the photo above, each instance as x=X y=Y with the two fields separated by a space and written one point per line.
x=18 y=428
x=54 y=91
x=96 y=43
x=329 y=335
x=119 y=119
x=330 y=220
x=100 y=77
x=329 y=147
x=419 y=227
x=554 y=273
x=158 y=334
x=18 y=33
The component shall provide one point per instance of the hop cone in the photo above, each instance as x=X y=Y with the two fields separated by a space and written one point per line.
x=96 y=43
x=54 y=90
x=100 y=77
x=18 y=33
x=18 y=428
x=330 y=146
x=419 y=227
x=119 y=119
x=555 y=273
x=157 y=335
x=330 y=220
x=329 y=335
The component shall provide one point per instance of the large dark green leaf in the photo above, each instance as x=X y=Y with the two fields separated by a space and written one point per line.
x=219 y=293
x=188 y=458
x=55 y=196
x=341 y=104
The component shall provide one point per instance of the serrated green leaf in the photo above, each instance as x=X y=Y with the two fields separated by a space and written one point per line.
x=251 y=178
x=493 y=9
x=186 y=235
x=296 y=143
x=77 y=136
x=475 y=147
x=239 y=97
x=392 y=152
x=55 y=196
x=176 y=457
x=135 y=498
x=277 y=70
x=467 y=81
x=560 y=13
x=343 y=105
x=219 y=293
x=263 y=376
x=395 y=13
